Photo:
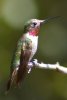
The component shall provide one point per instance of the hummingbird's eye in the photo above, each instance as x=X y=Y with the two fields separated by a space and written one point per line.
x=33 y=24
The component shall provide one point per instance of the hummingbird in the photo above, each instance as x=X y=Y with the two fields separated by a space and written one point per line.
x=25 y=50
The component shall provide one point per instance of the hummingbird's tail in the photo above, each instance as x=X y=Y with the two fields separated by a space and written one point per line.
x=8 y=85
x=12 y=79
x=16 y=78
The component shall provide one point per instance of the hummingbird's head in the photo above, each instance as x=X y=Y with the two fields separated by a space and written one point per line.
x=32 y=26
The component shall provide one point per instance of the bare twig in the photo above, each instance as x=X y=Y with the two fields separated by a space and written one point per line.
x=56 y=66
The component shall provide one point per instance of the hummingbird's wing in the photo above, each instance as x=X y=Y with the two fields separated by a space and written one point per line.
x=24 y=59
x=18 y=73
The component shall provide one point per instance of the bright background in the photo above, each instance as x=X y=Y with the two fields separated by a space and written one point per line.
x=39 y=84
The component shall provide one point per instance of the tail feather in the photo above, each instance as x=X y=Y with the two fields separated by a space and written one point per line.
x=12 y=79
x=8 y=85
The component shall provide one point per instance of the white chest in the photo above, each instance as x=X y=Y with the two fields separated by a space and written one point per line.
x=34 y=40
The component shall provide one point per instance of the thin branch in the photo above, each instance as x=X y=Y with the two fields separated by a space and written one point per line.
x=42 y=65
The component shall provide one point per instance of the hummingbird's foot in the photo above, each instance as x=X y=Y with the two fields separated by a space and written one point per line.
x=35 y=61
x=31 y=64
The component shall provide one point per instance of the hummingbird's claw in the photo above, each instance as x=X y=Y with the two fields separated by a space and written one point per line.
x=35 y=61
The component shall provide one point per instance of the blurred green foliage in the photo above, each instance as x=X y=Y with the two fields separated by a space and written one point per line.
x=39 y=84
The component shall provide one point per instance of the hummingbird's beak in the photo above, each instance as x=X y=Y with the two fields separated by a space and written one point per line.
x=47 y=19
